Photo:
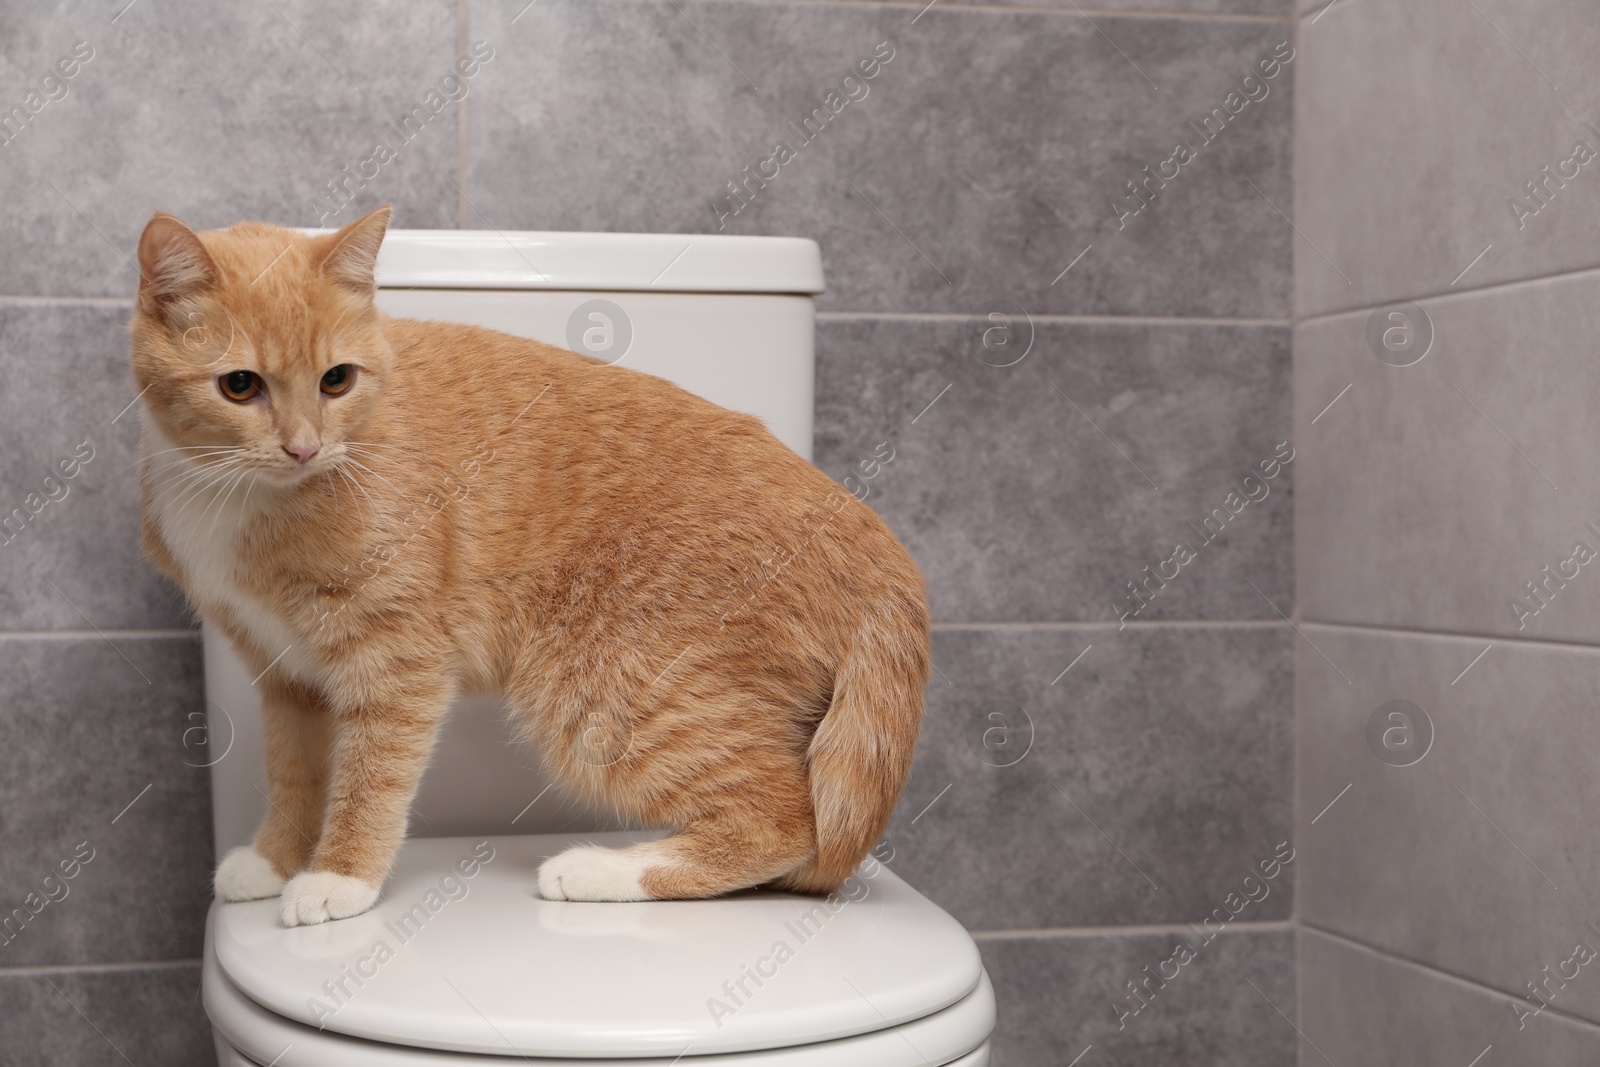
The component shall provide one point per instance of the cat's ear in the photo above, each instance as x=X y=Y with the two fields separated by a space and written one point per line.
x=173 y=264
x=352 y=253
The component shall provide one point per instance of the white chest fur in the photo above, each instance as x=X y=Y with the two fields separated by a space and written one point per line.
x=202 y=517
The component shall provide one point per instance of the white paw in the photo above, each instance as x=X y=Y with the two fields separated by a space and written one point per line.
x=317 y=896
x=245 y=874
x=590 y=873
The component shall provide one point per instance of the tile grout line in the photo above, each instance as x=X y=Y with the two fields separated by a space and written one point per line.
x=1295 y=502
x=96 y=968
x=959 y=316
x=1450 y=294
x=1471 y=983
x=100 y=301
x=1136 y=624
x=1130 y=930
x=1457 y=635
x=70 y=635
x=463 y=31
x=1030 y=9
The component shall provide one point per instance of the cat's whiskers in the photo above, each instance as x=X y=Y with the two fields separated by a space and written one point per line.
x=214 y=451
x=368 y=448
x=334 y=489
x=223 y=498
x=184 y=479
x=364 y=449
x=196 y=448
x=191 y=484
x=354 y=486
x=197 y=460
x=365 y=445
x=218 y=497
x=356 y=481
x=195 y=491
x=199 y=470
x=341 y=486
x=357 y=463
x=250 y=489
x=210 y=448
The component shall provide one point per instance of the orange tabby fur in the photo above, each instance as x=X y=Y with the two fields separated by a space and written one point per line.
x=695 y=627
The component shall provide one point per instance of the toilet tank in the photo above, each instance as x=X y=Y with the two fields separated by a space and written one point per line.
x=729 y=318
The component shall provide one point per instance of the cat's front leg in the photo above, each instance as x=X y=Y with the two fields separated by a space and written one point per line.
x=298 y=730
x=381 y=745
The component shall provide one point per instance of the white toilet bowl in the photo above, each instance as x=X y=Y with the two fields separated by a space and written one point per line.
x=876 y=976
x=873 y=976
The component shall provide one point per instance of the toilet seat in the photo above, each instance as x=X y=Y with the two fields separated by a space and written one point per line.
x=250 y=1036
x=461 y=960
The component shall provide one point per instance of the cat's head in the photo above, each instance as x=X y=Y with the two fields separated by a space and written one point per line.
x=259 y=347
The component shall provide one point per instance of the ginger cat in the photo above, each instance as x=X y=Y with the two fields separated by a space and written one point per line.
x=694 y=626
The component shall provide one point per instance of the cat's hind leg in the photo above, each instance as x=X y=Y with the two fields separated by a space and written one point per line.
x=745 y=836
x=702 y=861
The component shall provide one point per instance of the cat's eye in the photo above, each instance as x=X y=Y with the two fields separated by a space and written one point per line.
x=239 y=385
x=338 y=379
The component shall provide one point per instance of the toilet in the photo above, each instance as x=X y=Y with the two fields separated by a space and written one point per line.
x=461 y=962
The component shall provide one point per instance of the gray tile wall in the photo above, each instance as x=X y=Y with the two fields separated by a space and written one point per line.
x=1445 y=483
x=1231 y=1003
x=1363 y=1006
x=1102 y=770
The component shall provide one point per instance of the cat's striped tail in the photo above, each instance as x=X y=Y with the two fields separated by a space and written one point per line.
x=860 y=756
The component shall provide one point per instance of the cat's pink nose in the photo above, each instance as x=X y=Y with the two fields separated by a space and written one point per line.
x=302 y=452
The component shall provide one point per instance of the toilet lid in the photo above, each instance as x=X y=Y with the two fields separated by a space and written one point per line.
x=462 y=954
